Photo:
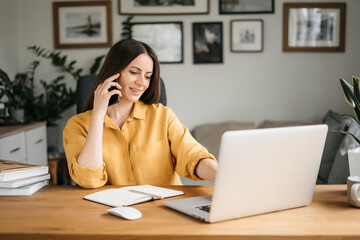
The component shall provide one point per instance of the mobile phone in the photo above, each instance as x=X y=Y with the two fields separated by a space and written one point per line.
x=114 y=98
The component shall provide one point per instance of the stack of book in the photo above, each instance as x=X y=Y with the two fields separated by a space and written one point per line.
x=22 y=179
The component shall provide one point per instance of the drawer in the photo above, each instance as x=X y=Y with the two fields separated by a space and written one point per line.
x=36 y=152
x=13 y=147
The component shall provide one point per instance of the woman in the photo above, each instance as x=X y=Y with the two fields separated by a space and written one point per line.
x=133 y=141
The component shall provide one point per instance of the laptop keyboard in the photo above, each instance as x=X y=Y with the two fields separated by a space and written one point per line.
x=205 y=208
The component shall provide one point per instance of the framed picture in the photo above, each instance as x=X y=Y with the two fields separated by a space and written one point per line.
x=164 y=7
x=246 y=35
x=246 y=6
x=85 y=24
x=207 y=42
x=314 y=27
x=166 y=38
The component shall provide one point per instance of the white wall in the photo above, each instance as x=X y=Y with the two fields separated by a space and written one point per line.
x=9 y=37
x=246 y=87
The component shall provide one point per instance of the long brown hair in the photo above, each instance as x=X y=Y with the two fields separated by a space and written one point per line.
x=121 y=55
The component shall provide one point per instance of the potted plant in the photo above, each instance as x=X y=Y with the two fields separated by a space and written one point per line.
x=17 y=92
x=56 y=96
x=352 y=97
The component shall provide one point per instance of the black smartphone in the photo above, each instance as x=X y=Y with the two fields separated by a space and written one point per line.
x=114 y=98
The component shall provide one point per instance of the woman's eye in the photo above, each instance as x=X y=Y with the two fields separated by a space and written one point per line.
x=133 y=72
x=148 y=77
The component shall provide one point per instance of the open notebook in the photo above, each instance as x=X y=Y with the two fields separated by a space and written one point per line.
x=126 y=196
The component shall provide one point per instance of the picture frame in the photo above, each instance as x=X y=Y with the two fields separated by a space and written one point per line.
x=82 y=24
x=166 y=38
x=207 y=42
x=303 y=32
x=246 y=6
x=180 y=7
x=246 y=35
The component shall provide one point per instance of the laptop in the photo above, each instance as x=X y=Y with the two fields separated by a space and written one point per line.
x=260 y=171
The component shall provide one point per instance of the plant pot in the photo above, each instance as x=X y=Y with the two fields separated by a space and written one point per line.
x=354 y=161
x=17 y=115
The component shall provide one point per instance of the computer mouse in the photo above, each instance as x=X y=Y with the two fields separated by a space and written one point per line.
x=128 y=213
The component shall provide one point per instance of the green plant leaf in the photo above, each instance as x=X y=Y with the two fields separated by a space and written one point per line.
x=96 y=64
x=8 y=87
x=126 y=28
x=350 y=98
x=348 y=92
x=5 y=77
x=72 y=63
x=356 y=90
x=356 y=139
x=351 y=117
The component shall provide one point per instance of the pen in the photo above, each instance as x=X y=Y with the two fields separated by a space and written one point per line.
x=149 y=194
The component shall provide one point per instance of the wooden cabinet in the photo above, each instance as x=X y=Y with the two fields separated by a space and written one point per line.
x=13 y=147
x=24 y=143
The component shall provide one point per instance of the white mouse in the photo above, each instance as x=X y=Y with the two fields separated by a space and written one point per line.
x=128 y=213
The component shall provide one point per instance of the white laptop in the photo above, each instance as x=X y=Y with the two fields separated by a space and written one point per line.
x=260 y=171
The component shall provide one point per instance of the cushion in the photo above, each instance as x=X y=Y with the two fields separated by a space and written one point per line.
x=340 y=168
x=209 y=135
x=333 y=140
x=273 y=124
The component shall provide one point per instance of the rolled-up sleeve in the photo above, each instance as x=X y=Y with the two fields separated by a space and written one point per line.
x=74 y=138
x=186 y=151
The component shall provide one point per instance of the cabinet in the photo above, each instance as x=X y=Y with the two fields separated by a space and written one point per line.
x=24 y=143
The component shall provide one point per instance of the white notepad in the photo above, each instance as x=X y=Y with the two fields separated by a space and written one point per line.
x=127 y=196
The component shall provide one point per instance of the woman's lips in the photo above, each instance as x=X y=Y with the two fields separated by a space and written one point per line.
x=137 y=91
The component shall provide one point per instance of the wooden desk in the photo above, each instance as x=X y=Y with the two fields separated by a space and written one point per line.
x=59 y=212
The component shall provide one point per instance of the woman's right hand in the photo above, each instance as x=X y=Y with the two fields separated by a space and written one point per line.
x=102 y=94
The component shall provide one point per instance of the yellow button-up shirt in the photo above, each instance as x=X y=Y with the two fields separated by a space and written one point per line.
x=152 y=147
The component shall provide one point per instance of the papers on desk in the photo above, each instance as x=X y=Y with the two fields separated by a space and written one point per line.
x=27 y=190
x=127 y=196
x=21 y=179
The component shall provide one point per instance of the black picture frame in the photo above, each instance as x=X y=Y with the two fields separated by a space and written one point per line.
x=207 y=42
x=246 y=7
x=131 y=7
x=165 y=38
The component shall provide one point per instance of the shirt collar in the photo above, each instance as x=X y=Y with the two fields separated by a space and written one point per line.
x=138 y=112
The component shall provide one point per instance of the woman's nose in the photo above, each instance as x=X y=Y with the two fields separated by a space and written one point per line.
x=141 y=80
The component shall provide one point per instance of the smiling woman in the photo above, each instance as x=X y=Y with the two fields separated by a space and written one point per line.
x=135 y=78
x=134 y=141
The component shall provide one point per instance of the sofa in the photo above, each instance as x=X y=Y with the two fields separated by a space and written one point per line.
x=334 y=167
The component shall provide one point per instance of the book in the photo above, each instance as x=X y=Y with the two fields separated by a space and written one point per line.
x=11 y=170
x=127 y=196
x=27 y=190
x=11 y=166
x=23 y=181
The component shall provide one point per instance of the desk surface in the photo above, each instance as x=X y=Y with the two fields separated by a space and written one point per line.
x=59 y=212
